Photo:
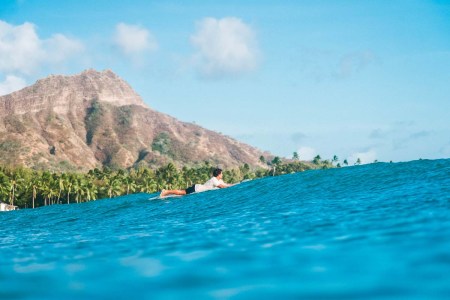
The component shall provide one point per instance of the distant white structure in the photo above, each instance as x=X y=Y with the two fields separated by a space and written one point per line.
x=6 y=207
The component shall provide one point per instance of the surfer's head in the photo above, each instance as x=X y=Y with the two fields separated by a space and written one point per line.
x=217 y=172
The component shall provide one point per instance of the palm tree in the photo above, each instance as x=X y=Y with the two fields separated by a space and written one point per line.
x=78 y=188
x=117 y=188
x=335 y=159
x=61 y=181
x=90 y=191
x=44 y=185
x=15 y=181
x=148 y=186
x=345 y=162
x=68 y=184
x=276 y=161
x=34 y=187
x=147 y=181
x=326 y=164
x=129 y=183
x=186 y=176
x=295 y=156
x=114 y=187
x=358 y=161
x=202 y=173
x=4 y=186
x=262 y=159
x=168 y=176
x=316 y=160
x=48 y=191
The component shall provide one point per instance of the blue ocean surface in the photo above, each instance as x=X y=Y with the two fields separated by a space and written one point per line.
x=366 y=232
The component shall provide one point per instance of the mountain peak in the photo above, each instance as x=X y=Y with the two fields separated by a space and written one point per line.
x=94 y=73
x=60 y=92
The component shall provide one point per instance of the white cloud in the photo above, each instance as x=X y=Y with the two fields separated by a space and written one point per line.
x=22 y=51
x=306 y=153
x=224 y=47
x=59 y=48
x=11 y=84
x=365 y=157
x=133 y=39
x=20 y=48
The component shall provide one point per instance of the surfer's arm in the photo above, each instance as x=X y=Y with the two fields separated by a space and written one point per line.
x=224 y=185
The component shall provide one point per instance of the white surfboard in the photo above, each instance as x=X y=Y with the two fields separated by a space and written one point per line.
x=158 y=197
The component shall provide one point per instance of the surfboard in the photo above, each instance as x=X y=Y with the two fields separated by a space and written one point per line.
x=158 y=197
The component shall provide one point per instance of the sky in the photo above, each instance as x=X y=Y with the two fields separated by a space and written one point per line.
x=355 y=79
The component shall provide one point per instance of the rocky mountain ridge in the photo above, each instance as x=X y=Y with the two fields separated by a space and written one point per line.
x=96 y=119
x=56 y=92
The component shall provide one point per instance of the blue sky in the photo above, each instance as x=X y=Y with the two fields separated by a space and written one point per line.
x=356 y=79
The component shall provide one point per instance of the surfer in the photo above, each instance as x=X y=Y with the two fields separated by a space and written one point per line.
x=215 y=182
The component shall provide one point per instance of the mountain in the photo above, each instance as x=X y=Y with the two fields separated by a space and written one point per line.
x=96 y=119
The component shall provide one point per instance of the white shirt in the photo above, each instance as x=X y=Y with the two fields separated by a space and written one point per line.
x=211 y=184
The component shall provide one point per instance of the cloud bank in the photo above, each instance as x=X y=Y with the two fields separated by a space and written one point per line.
x=22 y=51
x=134 y=40
x=24 y=54
x=224 y=47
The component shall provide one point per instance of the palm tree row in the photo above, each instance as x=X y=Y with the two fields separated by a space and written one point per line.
x=25 y=187
x=28 y=188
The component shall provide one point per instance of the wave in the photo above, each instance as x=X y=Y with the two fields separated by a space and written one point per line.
x=378 y=230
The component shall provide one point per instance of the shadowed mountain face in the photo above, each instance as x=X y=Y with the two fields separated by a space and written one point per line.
x=95 y=119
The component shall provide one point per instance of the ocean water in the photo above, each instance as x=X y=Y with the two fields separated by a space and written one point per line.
x=379 y=231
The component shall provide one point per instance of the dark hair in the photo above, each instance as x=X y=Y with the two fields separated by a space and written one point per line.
x=217 y=172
